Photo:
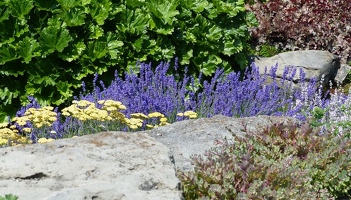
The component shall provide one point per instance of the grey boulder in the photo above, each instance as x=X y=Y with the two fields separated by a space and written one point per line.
x=118 y=165
x=315 y=64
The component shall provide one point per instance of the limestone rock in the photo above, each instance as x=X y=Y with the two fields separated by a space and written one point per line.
x=190 y=137
x=315 y=63
x=118 y=165
x=342 y=73
x=105 y=166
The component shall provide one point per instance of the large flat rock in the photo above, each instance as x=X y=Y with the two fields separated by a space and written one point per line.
x=189 y=137
x=118 y=165
x=104 y=166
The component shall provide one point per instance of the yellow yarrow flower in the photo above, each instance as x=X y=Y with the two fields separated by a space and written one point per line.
x=3 y=141
x=27 y=130
x=139 y=115
x=190 y=114
x=149 y=126
x=44 y=140
x=163 y=119
x=3 y=125
x=155 y=114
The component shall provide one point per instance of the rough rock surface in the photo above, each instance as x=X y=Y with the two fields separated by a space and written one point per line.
x=117 y=165
x=315 y=63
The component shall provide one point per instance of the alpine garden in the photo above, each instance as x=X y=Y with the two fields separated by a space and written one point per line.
x=74 y=67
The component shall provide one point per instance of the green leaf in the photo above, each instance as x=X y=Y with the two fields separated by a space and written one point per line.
x=134 y=22
x=135 y=3
x=164 y=10
x=47 y=5
x=95 y=31
x=96 y=50
x=197 y=5
x=4 y=13
x=54 y=39
x=113 y=45
x=73 y=52
x=231 y=48
x=99 y=10
x=214 y=34
x=7 y=53
x=64 y=89
x=6 y=95
x=26 y=49
x=186 y=55
x=159 y=27
x=251 y=19
x=20 y=8
x=68 y=4
x=74 y=16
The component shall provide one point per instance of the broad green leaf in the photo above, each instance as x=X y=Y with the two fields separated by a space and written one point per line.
x=26 y=49
x=251 y=19
x=68 y=4
x=74 y=16
x=47 y=5
x=134 y=22
x=56 y=21
x=159 y=27
x=7 y=53
x=137 y=45
x=164 y=10
x=241 y=59
x=214 y=34
x=54 y=39
x=135 y=3
x=95 y=31
x=4 y=13
x=232 y=47
x=96 y=50
x=210 y=65
x=73 y=52
x=197 y=5
x=12 y=28
x=166 y=50
x=20 y=8
x=7 y=95
x=186 y=55
x=190 y=37
x=64 y=89
x=99 y=10
x=113 y=45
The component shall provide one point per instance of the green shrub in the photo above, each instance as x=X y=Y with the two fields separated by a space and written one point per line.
x=281 y=162
x=48 y=47
x=9 y=197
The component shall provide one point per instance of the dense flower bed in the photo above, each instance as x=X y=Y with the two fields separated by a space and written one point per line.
x=126 y=103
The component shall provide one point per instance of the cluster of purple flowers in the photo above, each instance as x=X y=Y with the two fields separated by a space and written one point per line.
x=227 y=94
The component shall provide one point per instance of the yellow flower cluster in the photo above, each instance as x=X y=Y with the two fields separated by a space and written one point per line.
x=11 y=134
x=162 y=119
x=190 y=114
x=85 y=110
x=44 y=140
x=38 y=116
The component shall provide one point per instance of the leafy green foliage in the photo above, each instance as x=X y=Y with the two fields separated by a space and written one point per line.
x=50 y=47
x=281 y=162
x=9 y=197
